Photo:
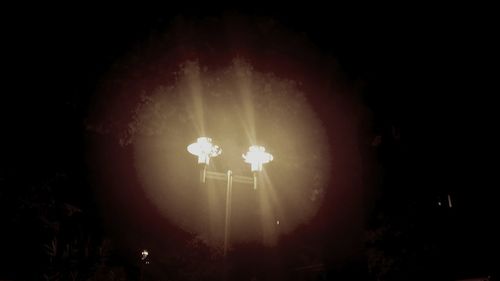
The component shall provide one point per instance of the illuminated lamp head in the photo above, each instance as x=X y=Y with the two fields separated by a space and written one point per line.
x=257 y=157
x=204 y=149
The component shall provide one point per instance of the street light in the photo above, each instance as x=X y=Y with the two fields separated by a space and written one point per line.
x=204 y=149
x=256 y=156
x=144 y=254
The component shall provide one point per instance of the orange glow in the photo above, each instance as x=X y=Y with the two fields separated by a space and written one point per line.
x=241 y=106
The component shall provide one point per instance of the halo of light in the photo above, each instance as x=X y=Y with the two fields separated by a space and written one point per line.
x=240 y=106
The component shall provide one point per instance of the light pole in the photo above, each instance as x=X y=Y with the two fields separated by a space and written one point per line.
x=256 y=156
x=144 y=261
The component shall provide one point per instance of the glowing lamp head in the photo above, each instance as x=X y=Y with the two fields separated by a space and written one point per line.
x=204 y=149
x=256 y=157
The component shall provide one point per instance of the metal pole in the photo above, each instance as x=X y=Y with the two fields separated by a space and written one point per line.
x=227 y=223
x=203 y=173
x=254 y=180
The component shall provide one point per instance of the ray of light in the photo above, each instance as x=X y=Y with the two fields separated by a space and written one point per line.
x=192 y=82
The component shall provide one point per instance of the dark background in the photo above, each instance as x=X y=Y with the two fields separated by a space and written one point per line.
x=424 y=75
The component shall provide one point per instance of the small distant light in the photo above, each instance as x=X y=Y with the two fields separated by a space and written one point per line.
x=147 y=262
x=439 y=203
x=144 y=254
x=277 y=222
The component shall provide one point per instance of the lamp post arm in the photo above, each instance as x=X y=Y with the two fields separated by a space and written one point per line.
x=216 y=175
x=223 y=177
x=243 y=179
x=227 y=224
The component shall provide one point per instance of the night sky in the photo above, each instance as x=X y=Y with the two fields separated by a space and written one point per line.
x=420 y=73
